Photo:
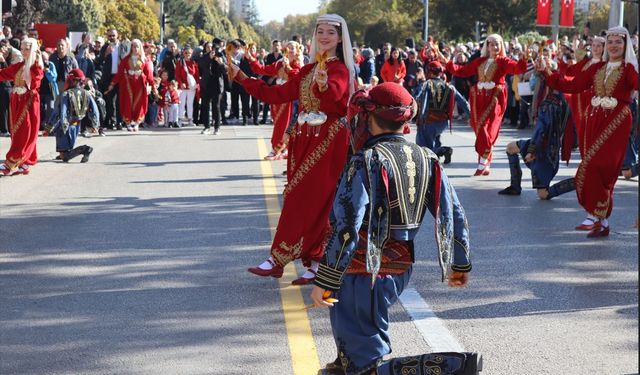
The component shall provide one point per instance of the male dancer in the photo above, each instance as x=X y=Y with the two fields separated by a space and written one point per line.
x=75 y=104
x=435 y=110
x=542 y=152
x=381 y=200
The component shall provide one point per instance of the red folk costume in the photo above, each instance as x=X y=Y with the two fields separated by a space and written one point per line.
x=24 y=112
x=133 y=79
x=281 y=113
x=317 y=155
x=579 y=102
x=488 y=97
x=606 y=130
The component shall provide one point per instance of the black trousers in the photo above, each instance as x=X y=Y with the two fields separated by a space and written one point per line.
x=236 y=90
x=265 y=111
x=4 y=109
x=113 y=109
x=249 y=111
x=211 y=102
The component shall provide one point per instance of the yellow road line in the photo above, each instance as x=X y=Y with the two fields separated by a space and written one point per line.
x=304 y=356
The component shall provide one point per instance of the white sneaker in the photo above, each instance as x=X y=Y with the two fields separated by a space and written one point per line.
x=216 y=132
x=206 y=131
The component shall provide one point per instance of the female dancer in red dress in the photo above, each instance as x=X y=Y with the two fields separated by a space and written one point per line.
x=24 y=109
x=287 y=66
x=488 y=98
x=133 y=76
x=607 y=123
x=579 y=102
x=318 y=151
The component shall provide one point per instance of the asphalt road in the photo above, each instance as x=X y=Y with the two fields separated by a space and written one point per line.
x=135 y=263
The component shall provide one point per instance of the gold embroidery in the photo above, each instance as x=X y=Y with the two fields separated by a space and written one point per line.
x=23 y=115
x=605 y=87
x=589 y=154
x=18 y=81
x=602 y=207
x=314 y=157
x=411 y=173
x=280 y=109
x=285 y=253
x=309 y=101
x=494 y=100
x=352 y=170
x=134 y=101
x=490 y=71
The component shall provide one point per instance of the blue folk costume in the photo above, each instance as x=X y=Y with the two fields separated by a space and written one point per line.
x=436 y=100
x=382 y=198
x=74 y=105
x=546 y=144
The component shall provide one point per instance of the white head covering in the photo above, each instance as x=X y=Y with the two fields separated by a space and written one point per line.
x=138 y=42
x=33 y=58
x=629 y=55
x=494 y=38
x=347 y=50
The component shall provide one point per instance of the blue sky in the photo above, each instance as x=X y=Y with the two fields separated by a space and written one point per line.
x=278 y=9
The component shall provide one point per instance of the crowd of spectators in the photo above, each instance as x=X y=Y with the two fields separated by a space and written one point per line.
x=190 y=85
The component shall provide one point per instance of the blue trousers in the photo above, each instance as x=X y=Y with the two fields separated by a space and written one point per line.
x=429 y=135
x=66 y=141
x=360 y=320
x=542 y=170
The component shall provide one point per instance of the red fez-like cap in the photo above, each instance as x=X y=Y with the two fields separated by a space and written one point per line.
x=390 y=94
x=435 y=67
x=394 y=102
x=76 y=74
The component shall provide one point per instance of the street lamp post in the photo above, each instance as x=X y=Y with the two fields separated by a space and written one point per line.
x=425 y=29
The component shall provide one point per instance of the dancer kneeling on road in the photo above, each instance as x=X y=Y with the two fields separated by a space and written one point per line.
x=75 y=104
x=382 y=198
x=542 y=153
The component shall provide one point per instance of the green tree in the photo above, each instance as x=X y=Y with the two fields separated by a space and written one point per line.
x=132 y=19
x=27 y=11
x=455 y=19
x=79 y=15
x=395 y=27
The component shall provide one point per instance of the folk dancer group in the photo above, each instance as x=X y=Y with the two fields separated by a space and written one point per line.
x=604 y=88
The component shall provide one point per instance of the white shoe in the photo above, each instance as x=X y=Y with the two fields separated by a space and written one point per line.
x=216 y=132
x=206 y=131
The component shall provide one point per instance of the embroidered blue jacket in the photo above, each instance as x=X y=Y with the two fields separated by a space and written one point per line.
x=384 y=189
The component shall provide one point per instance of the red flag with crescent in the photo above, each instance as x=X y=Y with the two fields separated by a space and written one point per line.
x=544 y=13
x=566 y=13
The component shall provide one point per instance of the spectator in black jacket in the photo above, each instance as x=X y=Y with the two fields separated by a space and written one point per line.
x=170 y=59
x=212 y=75
x=64 y=62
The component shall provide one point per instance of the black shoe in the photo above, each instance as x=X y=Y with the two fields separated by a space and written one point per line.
x=447 y=155
x=263 y=121
x=334 y=367
x=87 y=152
x=244 y=121
x=510 y=190
x=255 y=121
x=119 y=127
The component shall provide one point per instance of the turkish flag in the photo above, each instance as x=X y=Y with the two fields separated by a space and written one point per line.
x=50 y=33
x=566 y=13
x=544 y=13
